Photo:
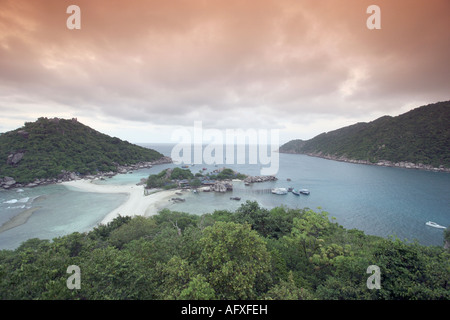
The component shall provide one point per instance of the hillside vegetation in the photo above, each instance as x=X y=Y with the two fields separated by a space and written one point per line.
x=43 y=149
x=252 y=253
x=421 y=136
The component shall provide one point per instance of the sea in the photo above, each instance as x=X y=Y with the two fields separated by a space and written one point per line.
x=382 y=201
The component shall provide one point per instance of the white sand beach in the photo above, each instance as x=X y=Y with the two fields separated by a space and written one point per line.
x=136 y=204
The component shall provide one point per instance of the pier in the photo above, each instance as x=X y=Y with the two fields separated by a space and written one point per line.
x=252 y=191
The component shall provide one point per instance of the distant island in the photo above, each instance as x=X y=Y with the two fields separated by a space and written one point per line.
x=55 y=150
x=418 y=139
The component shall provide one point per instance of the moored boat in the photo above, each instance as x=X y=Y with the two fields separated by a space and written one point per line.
x=304 y=191
x=279 y=191
x=435 y=225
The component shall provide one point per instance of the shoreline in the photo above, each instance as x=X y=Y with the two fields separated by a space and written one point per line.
x=8 y=183
x=380 y=163
x=136 y=204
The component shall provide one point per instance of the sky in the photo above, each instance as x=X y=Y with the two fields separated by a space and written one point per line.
x=142 y=69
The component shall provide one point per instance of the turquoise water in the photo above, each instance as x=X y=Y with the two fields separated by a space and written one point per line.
x=60 y=211
x=378 y=200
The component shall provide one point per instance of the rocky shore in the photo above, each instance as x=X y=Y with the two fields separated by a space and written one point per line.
x=259 y=179
x=383 y=163
x=8 y=183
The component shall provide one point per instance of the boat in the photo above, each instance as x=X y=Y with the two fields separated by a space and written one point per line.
x=296 y=192
x=185 y=166
x=435 y=225
x=279 y=191
x=235 y=198
x=304 y=191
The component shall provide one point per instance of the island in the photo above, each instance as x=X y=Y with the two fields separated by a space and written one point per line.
x=55 y=150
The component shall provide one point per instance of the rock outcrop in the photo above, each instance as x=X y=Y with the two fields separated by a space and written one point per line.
x=14 y=158
x=260 y=179
x=221 y=186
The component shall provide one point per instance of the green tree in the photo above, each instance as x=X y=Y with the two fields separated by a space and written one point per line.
x=232 y=258
x=447 y=238
x=308 y=232
x=406 y=273
x=102 y=231
x=154 y=181
x=136 y=228
x=288 y=290
x=109 y=273
x=195 y=183
x=180 y=174
x=198 y=289
x=174 y=276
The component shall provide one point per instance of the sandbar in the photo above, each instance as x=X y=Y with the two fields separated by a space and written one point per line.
x=18 y=219
x=136 y=203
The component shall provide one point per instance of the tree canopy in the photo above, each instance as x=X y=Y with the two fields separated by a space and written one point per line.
x=251 y=253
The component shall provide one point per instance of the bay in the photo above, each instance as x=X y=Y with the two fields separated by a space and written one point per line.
x=380 y=201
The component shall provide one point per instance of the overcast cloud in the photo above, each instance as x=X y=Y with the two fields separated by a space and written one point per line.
x=139 y=69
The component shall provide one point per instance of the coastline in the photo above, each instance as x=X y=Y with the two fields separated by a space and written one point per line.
x=380 y=163
x=136 y=203
x=8 y=183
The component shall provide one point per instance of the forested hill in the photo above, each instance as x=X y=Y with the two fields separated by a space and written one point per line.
x=47 y=147
x=420 y=136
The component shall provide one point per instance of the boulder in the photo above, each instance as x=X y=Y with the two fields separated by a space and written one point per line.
x=9 y=183
x=221 y=187
x=23 y=133
x=31 y=185
x=14 y=158
x=73 y=176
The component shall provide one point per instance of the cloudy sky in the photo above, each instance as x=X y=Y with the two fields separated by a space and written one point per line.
x=139 y=69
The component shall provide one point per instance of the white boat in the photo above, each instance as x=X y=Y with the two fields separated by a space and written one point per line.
x=435 y=225
x=304 y=191
x=279 y=191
